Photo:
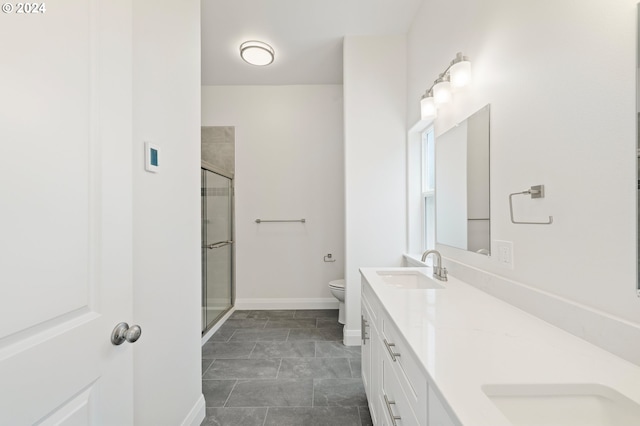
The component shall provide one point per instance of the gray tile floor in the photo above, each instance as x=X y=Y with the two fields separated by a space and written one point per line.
x=282 y=368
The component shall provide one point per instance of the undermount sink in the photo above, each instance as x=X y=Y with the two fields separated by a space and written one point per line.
x=409 y=280
x=563 y=405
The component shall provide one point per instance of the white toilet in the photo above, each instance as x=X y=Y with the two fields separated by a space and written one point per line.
x=337 y=289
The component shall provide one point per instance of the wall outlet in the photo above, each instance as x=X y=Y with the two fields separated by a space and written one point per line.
x=504 y=250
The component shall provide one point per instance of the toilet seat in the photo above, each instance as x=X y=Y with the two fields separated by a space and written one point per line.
x=337 y=284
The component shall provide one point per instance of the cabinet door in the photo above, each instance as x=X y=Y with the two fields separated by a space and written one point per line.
x=438 y=415
x=394 y=405
x=369 y=360
x=366 y=349
x=406 y=366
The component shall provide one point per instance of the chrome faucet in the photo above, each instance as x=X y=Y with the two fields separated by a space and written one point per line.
x=439 y=272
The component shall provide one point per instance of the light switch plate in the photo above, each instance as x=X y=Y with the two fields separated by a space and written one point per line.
x=151 y=157
x=504 y=254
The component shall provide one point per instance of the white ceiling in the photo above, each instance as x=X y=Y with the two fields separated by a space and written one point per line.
x=306 y=35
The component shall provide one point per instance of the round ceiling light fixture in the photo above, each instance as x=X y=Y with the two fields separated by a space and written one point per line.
x=256 y=53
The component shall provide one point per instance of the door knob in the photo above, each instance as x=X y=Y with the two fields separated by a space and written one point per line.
x=123 y=332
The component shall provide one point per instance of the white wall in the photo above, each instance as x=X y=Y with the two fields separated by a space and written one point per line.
x=289 y=165
x=166 y=213
x=375 y=137
x=478 y=185
x=560 y=78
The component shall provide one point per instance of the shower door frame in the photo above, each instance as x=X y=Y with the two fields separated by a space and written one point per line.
x=229 y=175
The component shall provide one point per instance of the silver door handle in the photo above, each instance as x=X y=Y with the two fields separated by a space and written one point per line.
x=393 y=416
x=218 y=244
x=391 y=351
x=123 y=332
x=363 y=330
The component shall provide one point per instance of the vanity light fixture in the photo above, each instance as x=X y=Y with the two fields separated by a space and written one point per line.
x=460 y=71
x=428 y=107
x=442 y=90
x=457 y=75
x=257 y=52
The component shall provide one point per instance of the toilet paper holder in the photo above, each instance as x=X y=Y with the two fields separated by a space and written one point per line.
x=329 y=258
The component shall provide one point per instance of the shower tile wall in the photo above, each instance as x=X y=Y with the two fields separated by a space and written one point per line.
x=218 y=147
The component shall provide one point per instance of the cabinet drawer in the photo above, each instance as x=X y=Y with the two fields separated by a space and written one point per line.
x=370 y=299
x=411 y=378
x=395 y=406
x=366 y=333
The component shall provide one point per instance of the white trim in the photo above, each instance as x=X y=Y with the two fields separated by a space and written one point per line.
x=197 y=413
x=270 y=304
x=351 y=337
x=217 y=326
x=421 y=126
x=611 y=333
x=415 y=179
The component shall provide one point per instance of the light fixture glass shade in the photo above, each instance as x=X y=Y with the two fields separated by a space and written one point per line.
x=256 y=53
x=460 y=73
x=442 y=92
x=428 y=108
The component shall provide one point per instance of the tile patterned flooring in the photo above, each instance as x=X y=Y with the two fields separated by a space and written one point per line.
x=282 y=368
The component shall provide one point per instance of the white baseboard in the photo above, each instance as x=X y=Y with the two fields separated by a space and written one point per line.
x=352 y=337
x=216 y=327
x=197 y=413
x=611 y=333
x=271 y=304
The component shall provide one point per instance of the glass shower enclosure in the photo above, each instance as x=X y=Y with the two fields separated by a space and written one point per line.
x=217 y=246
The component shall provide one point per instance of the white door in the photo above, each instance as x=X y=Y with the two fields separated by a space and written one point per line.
x=65 y=212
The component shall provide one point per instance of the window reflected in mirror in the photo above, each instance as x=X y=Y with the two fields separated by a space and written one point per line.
x=428 y=190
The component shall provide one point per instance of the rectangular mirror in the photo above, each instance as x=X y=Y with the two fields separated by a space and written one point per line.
x=463 y=214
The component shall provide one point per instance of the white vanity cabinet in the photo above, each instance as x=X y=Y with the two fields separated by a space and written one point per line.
x=449 y=354
x=396 y=386
x=370 y=353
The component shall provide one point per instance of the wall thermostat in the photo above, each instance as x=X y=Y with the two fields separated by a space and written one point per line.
x=151 y=156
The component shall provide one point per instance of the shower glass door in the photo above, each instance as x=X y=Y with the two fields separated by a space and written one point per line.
x=217 y=247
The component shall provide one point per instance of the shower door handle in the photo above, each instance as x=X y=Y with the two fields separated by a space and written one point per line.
x=219 y=244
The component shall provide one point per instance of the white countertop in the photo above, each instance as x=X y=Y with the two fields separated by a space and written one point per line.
x=465 y=338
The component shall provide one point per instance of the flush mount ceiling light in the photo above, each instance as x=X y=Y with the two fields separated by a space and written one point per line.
x=256 y=53
x=457 y=75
